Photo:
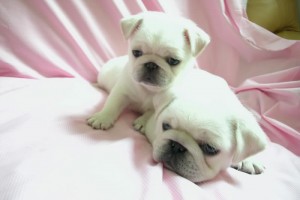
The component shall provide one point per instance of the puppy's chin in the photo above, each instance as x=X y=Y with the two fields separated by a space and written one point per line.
x=153 y=88
x=152 y=80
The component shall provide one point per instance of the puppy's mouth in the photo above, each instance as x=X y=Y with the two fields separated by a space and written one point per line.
x=178 y=159
x=172 y=154
x=170 y=151
x=150 y=78
x=151 y=74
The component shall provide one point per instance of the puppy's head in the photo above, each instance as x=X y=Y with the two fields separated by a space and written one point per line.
x=197 y=136
x=160 y=47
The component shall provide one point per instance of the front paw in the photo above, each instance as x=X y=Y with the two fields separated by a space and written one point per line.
x=249 y=167
x=139 y=124
x=100 y=121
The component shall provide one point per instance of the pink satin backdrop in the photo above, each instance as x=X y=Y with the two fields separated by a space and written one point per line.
x=42 y=39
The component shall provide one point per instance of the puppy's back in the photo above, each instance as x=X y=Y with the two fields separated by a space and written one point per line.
x=111 y=72
x=198 y=84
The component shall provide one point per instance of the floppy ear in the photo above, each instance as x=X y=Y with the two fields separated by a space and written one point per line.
x=130 y=24
x=250 y=138
x=196 y=38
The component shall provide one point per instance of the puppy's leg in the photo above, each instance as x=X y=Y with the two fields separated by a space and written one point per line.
x=140 y=123
x=114 y=105
x=249 y=166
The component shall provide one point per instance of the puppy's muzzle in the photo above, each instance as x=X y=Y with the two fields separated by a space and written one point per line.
x=175 y=147
x=151 y=74
x=151 y=66
x=172 y=149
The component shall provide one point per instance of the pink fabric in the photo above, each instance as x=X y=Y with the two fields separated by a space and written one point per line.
x=50 y=52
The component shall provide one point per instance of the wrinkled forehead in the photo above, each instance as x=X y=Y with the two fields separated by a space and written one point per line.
x=202 y=130
x=160 y=31
x=163 y=22
x=198 y=119
x=160 y=34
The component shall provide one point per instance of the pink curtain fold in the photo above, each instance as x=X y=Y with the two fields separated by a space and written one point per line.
x=42 y=39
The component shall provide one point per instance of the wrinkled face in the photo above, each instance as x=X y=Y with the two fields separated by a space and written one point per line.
x=199 y=127
x=195 y=145
x=158 y=53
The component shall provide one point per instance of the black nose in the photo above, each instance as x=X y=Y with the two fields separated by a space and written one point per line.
x=176 y=147
x=151 y=66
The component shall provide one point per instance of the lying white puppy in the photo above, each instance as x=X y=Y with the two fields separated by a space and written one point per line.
x=199 y=128
x=161 y=48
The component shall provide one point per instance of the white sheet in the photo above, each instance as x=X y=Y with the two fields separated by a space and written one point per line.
x=48 y=152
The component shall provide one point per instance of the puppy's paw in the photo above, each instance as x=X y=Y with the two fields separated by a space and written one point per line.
x=100 y=121
x=249 y=167
x=139 y=124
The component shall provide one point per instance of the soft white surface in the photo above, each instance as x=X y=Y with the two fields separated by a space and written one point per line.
x=48 y=152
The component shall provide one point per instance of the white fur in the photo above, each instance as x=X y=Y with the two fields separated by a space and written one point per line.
x=201 y=108
x=159 y=37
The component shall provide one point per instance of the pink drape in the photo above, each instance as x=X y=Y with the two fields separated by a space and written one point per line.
x=47 y=42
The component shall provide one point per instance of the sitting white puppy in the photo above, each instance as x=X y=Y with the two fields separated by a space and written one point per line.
x=199 y=127
x=161 y=48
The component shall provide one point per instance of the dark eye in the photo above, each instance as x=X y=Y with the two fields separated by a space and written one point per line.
x=172 y=61
x=208 y=149
x=137 y=53
x=166 y=126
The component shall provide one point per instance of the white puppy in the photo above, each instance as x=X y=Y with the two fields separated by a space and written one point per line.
x=199 y=128
x=161 y=48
